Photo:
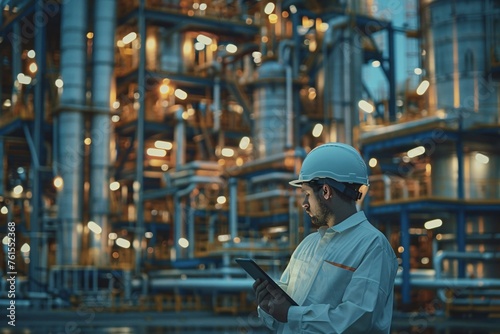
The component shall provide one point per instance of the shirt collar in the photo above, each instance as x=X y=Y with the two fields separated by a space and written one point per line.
x=351 y=221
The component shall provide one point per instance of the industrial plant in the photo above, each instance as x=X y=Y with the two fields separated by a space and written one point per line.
x=147 y=144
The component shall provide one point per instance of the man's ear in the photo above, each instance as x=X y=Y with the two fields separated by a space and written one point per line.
x=326 y=192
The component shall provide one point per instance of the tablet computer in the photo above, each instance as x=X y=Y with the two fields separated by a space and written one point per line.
x=256 y=272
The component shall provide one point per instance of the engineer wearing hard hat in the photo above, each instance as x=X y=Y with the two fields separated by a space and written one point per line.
x=342 y=276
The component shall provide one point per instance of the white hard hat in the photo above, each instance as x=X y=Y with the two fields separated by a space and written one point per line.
x=336 y=161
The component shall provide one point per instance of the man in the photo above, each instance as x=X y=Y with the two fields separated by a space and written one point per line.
x=342 y=276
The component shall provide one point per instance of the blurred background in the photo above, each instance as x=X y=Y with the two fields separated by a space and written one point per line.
x=146 y=144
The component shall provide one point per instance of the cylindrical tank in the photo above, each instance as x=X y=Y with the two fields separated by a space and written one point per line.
x=459 y=37
x=269 y=110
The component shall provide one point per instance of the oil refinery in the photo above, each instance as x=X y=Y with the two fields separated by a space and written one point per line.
x=146 y=144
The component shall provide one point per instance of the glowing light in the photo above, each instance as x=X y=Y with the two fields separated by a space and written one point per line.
x=115 y=118
x=112 y=236
x=166 y=145
x=366 y=106
x=59 y=83
x=323 y=27
x=6 y=240
x=7 y=103
x=401 y=249
x=87 y=141
x=164 y=88
x=31 y=54
x=424 y=260
x=123 y=243
x=373 y=162
x=231 y=48
x=183 y=242
x=269 y=8
x=481 y=158
x=130 y=37
x=376 y=63
x=417 y=71
x=256 y=54
x=23 y=79
x=18 y=190
x=199 y=46
x=293 y=9
x=180 y=94
x=244 y=142
x=4 y=210
x=94 y=227
x=204 y=39
x=415 y=152
x=58 y=182
x=227 y=152
x=221 y=199
x=33 y=67
x=90 y=35
x=223 y=237
x=164 y=167
x=317 y=130
x=433 y=224
x=422 y=88
x=154 y=152
x=115 y=185
x=273 y=18
x=25 y=248
x=203 y=6
x=116 y=105
x=148 y=235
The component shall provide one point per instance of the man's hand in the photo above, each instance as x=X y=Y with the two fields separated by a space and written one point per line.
x=271 y=300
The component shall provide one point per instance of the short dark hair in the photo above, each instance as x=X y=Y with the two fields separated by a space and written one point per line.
x=350 y=193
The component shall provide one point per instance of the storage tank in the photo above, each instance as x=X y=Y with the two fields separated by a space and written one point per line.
x=459 y=40
x=269 y=110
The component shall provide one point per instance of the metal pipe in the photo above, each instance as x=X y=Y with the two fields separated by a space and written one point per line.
x=71 y=130
x=103 y=53
x=139 y=163
x=216 y=104
x=285 y=57
x=233 y=207
x=180 y=138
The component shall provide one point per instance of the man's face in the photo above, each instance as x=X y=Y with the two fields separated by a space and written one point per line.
x=315 y=206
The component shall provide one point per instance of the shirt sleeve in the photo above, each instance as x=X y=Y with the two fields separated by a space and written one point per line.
x=366 y=306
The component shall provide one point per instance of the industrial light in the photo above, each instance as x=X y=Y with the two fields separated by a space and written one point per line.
x=116 y=105
x=415 y=152
x=31 y=54
x=481 y=158
x=223 y=237
x=58 y=182
x=23 y=79
x=273 y=18
x=33 y=68
x=112 y=236
x=231 y=48
x=180 y=94
x=269 y=8
x=90 y=35
x=422 y=88
x=293 y=9
x=221 y=199
x=6 y=240
x=323 y=27
x=123 y=243
x=199 y=46
x=366 y=106
x=25 y=248
x=155 y=152
x=373 y=162
x=244 y=142
x=148 y=235
x=204 y=39
x=227 y=152
x=256 y=54
x=87 y=141
x=433 y=224
x=317 y=130
x=376 y=63
x=203 y=6
x=94 y=227
x=7 y=103
x=417 y=71
x=18 y=190
x=4 y=210
x=166 y=145
x=183 y=242
x=115 y=118
x=164 y=167
x=115 y=185
x=130 y=37
x=59 y=83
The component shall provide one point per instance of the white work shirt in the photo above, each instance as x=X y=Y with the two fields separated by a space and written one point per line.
x=343 y=278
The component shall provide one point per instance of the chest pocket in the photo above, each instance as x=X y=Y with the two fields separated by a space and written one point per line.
x=331 y=282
